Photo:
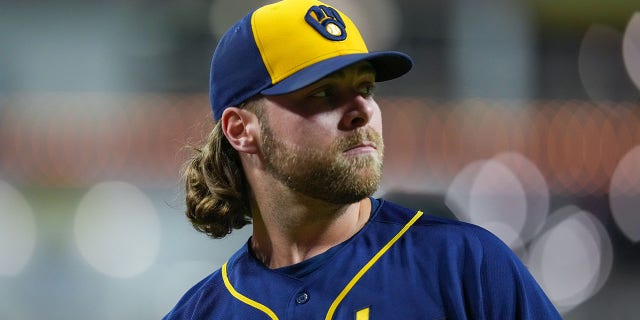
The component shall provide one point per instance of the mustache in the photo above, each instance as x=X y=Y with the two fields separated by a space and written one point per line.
x=359 y=136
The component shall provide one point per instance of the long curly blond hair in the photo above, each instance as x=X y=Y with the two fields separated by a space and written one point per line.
x=217 y=192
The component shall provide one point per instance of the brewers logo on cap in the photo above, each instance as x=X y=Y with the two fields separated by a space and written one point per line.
x=327 y=21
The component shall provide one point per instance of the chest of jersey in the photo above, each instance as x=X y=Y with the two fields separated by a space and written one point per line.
x=371 y=279
x=402 y=265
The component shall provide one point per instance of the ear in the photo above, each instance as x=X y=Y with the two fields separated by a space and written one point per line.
x=242 y=129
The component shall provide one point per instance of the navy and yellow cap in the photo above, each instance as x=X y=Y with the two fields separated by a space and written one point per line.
x=288 y=45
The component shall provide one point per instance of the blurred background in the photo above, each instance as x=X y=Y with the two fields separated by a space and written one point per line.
x=519 y=116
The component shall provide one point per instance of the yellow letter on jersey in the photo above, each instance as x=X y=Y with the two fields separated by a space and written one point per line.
x=362 y=314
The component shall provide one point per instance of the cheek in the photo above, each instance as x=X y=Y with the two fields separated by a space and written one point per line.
x=284 y=126
x=315 y=134
x=304 y=133
x=376 y=121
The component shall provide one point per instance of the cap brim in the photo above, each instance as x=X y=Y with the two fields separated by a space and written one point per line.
x=387 y=64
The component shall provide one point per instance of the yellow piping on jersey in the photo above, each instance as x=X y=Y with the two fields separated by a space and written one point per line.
x=367 y=266
x=344 y=291
x=244 y=299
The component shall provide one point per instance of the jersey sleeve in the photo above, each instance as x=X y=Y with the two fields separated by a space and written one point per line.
x=503 y=286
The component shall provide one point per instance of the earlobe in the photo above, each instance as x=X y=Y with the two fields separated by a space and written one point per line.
x=241 y=128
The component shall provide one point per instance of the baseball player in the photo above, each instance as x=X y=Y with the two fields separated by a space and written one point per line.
x=297 y=151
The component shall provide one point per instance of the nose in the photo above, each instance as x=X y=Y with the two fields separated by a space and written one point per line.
x=358 y=113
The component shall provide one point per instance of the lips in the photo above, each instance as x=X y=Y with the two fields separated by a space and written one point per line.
x=361 y=147
x=363 y=141
x=365 y=144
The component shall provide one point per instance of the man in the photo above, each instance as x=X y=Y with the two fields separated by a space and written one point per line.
x=297 y=151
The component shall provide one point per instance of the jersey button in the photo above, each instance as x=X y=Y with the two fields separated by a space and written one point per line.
x=302 y=298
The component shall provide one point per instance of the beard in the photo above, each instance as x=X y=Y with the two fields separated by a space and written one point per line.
x=326 y=174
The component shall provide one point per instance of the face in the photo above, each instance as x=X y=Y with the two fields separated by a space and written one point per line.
x=325 y=140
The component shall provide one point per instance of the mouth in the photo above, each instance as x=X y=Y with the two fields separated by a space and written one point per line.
x=363 y=147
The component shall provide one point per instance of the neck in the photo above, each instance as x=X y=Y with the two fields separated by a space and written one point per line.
x=288 y=229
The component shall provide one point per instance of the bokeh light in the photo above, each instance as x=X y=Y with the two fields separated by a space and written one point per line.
x=624 y=195
x=458 y=194
x=507 y=195
x=572 y=258
x=631 y=48
x=597 y=65
x=498 y=196
x=536 y=191
x=17 y=231
x=488 y=194
x=117 y=230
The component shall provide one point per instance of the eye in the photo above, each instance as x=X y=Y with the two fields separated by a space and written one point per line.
x=367 y=89
x=323 y=92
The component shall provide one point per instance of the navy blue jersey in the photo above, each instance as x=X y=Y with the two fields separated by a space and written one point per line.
x=402 y=265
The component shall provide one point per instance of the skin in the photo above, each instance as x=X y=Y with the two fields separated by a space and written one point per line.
x=289 y=225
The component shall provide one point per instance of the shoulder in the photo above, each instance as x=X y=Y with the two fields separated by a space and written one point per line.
x=392 y=213
x=474 y=263
x=443 y=236
x=187 y=307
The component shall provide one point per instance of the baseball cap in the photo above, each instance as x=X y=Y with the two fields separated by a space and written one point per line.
x=285 y=46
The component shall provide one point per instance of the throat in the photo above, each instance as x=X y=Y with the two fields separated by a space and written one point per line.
x=277 y=244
